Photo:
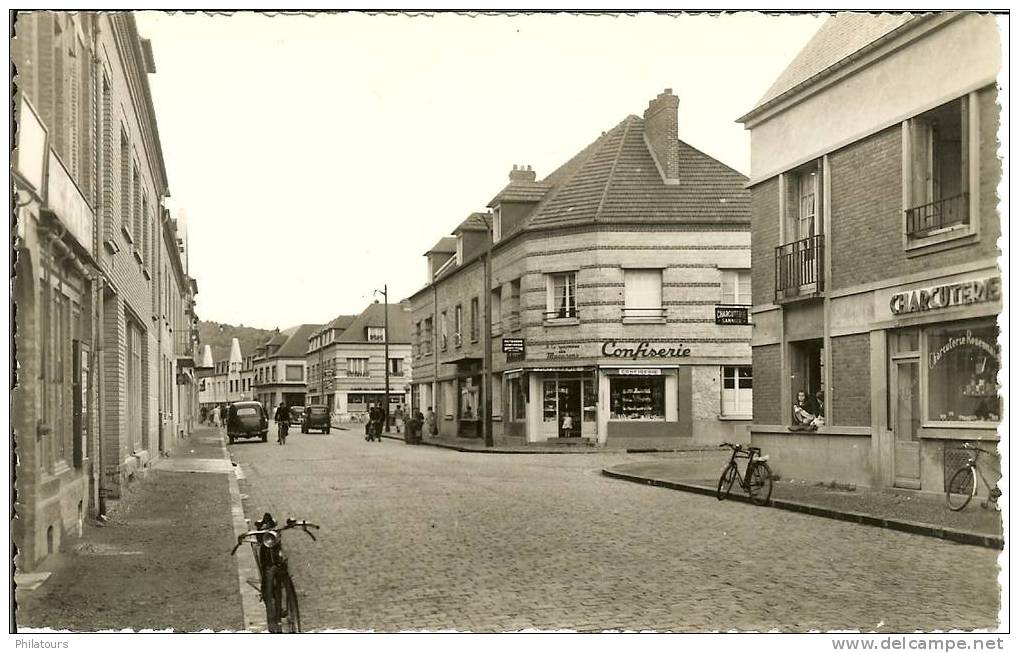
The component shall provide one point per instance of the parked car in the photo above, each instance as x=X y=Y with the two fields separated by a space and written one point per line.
x=316 y=417
x=296 y=414
x=247 y=419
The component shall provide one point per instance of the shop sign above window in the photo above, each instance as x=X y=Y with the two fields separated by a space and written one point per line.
x=919 y=300
x=643 y=350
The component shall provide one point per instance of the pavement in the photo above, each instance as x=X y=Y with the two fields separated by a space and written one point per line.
x=922 y=513
x=161 y=560
x=424 y=538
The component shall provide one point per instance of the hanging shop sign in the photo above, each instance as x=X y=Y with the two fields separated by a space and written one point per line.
x=514 y=348
x=732 y=315
x=919 y=300
x=69 y=204
x=643 y=350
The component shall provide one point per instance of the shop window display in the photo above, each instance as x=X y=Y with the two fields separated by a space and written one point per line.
x=642 y=399
x=962 y=368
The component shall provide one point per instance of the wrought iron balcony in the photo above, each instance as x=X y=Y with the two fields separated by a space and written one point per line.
x=947 y=212
x=564 y=313
x=655 y=313
x=799 y=268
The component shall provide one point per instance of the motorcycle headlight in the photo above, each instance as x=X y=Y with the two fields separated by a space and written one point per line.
x=269 y=540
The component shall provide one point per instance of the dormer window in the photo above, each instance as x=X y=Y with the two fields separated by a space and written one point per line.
x=376 y=334
x=497 y=225
x=459 y=249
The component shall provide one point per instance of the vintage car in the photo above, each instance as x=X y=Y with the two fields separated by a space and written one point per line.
x=316 y=417
x=247 y=419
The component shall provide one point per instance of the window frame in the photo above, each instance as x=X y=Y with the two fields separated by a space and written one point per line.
x=737 y=379
x=569 y=314
x=644 y=314
x=952 y=235
x=735 y=274
x=358 y=373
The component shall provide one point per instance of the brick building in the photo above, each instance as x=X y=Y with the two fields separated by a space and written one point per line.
x=278 y=367
x=346 y=361
x=875 y=228
x=105 y=307
x=619 y=297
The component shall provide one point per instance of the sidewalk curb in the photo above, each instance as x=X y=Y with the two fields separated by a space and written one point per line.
x=578 y=450
x=916 y=528
x=254 y=615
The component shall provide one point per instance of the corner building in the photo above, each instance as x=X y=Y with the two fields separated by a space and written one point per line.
x=875 y=229
x=620 y=288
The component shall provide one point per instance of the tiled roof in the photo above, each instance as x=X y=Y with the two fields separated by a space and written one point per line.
x=615 y=180
x=375 y=315
x=340 y=322
x=446 y=245
x=296 y=343
x=474 y=222
x=839 y=37
x=522 y=191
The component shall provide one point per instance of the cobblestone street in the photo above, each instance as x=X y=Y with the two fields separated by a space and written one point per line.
x=425 y=538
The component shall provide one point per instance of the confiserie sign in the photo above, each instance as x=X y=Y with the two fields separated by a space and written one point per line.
x=919 y=300
x=643 y=350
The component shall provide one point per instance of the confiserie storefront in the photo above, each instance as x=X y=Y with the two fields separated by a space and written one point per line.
x=629 y=393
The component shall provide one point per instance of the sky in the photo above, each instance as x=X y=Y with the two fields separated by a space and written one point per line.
x=316 y=158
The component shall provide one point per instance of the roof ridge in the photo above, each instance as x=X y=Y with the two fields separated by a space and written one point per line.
x=584 y=156
x=612 y=170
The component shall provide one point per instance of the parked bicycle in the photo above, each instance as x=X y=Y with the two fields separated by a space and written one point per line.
x=962 y=487
x=276 y=587
x=756 y=481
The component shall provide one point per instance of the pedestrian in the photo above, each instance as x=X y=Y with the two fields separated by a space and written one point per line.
x=215 y=415
x=433 y=428
x=568 y=425
x=398 y=417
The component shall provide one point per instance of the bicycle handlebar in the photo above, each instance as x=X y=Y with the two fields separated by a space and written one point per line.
x=291 y=523
x=973 y=447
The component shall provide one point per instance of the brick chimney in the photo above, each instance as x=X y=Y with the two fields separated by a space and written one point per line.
x=661 y=133
x=521 y=173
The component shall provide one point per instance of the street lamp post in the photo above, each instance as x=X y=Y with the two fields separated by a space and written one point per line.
x=486 y=363
x=385 y=343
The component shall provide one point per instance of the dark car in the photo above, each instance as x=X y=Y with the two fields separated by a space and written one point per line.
x=247 y=419
x=315 y=417
x=296 y=415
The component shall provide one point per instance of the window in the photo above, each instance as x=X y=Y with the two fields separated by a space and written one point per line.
x=963 y=361
x=561 y=295
x=134 y=382
x=496 y=395
x=137 y=219
x=444 y=327
x=474 y=319
x=125 y=184
x=427 y=343
x=448 y=400
x=807 y=367
x=736 y=287
x=643 y=294
x=496 y=303
x=514 y=315
x=806 y=185
x=458 y=326
x=497 y=225
x=273 y=372
x=459 y=249
x=357 y=367
x=737 y=391
x=640 y=398
x=294 y=373
x=396 y=366
x=376 y=334
x=938 y=179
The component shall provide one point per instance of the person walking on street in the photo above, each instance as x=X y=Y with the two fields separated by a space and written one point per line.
x=398 y=417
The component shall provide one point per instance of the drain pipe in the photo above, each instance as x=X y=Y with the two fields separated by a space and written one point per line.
x=100 y=367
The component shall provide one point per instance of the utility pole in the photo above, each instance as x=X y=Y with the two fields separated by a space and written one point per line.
x=385 y=344
x=486 y=365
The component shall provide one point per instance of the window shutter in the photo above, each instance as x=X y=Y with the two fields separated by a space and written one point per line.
x=643 y=289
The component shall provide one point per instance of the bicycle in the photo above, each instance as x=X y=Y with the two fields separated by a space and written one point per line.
x=282 y=430
x=756 y=482
x=276 y=587
x=962 y=487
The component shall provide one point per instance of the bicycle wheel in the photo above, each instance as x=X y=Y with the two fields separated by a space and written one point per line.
x=759 y=485
x=272 y=597
x=291 y=617
x=961 y=488
x=726 y=480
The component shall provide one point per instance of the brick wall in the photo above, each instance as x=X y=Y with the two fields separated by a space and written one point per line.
x=866 y=200
x=767 y=384
x=849 y=403
x=764 y=221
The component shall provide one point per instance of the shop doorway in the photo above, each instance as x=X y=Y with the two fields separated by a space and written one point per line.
x=905 y=388
x=566 y=404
